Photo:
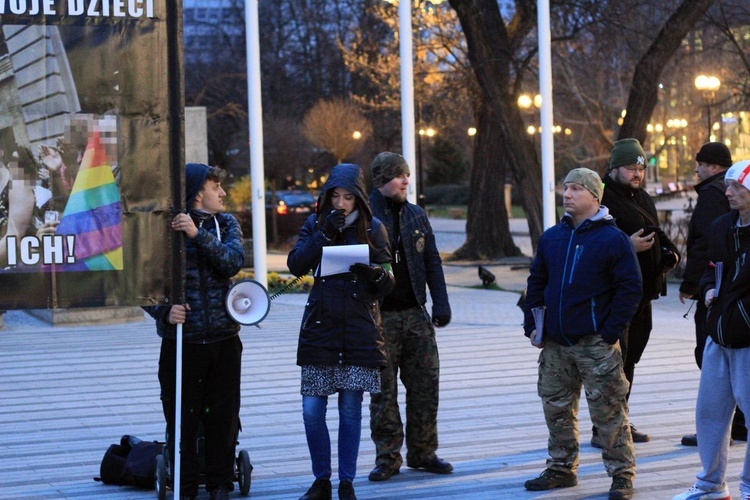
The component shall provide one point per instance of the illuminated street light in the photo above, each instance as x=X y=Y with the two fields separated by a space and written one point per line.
x=525 y=101
x=472 y=131
x=708 y=85
x=357 y=135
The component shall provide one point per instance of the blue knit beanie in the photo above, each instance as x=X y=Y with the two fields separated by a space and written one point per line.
x=195 y=178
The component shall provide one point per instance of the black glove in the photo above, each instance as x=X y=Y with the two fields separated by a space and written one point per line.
x=334 y=222
x=367 y=273
x=668 y=259
x=441 y=320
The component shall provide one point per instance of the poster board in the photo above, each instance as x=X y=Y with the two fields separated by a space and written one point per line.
x=91 y=152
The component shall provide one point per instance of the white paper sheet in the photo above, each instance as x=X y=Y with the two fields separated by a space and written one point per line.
x=339 y=258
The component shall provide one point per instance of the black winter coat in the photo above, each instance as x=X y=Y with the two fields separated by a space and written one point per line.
x=728 y=316
x=341 y=324
x=623 y=203
x=210 y=263
x=421 y=252
x=712 y=203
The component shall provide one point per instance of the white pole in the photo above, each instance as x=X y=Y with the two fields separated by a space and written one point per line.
x=255 y=119
x=407 y=95
x=177 y=415
x=545 y=89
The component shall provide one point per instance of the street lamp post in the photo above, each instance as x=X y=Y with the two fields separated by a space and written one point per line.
x=708 y=85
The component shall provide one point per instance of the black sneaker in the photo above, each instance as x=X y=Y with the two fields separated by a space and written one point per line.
x=320 y=490
x=435 y=465
x=346 y=491
x=689 y=440
x=550 y=479
x=622 y=488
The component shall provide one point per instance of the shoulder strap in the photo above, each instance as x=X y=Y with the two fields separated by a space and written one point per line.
x=649 y=218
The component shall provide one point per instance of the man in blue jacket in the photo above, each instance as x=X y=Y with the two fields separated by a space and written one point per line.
x=410 y=343
x=212 y=350
x=586 y=282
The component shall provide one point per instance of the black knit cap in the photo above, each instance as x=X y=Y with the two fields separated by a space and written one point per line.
x=715 y=153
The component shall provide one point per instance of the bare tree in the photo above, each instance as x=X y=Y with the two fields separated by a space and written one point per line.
x=643 y=91
x=490 y=38
x=336 y=126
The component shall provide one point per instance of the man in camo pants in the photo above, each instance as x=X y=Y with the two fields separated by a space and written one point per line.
x=409 y=331
x=583 y=288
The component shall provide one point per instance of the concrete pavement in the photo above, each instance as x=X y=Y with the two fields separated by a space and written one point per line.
x=69 y=392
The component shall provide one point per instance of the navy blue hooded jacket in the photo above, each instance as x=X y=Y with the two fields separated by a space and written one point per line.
x=341 y=323
x=211 y=260
x=587 y=277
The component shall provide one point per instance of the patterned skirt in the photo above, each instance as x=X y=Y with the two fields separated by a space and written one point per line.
x=326 y=380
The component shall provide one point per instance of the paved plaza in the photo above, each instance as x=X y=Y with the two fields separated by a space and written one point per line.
x=69 y=392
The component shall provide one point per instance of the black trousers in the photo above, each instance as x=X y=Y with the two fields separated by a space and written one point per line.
x=634 y=341
x=210 y=396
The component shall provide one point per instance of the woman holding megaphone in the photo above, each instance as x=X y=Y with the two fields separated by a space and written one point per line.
x=341 y=345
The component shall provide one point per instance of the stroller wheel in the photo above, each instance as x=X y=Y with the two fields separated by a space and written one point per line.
x=244 y=469
x=160 y=477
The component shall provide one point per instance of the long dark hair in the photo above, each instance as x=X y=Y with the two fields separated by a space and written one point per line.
x=362 y=224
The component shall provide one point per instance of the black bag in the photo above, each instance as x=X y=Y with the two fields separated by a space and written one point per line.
x=130 y=463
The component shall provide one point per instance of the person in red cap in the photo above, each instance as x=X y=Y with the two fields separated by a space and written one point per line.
x=711 y=164
x=725 y=380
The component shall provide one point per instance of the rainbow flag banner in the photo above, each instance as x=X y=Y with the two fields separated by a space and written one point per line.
x=93 y=215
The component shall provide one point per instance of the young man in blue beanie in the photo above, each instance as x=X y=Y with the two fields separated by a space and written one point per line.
x=211 y=344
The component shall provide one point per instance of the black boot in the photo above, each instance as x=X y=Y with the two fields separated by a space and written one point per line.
x=320 y=490
x=346 y=491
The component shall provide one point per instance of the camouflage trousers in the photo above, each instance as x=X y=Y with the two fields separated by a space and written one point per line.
x=411 y=348
x=597 y=366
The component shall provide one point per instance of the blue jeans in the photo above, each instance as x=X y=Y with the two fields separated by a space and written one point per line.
x=319 y=441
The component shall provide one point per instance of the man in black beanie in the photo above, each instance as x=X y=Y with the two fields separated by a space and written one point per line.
x=635 y=214
x=409 y=330
x=711 y=164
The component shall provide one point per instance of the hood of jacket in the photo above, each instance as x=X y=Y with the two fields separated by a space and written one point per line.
x=348 y=176
x=602 y=215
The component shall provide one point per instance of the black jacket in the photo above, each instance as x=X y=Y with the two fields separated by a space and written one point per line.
x=728 y=316
x=421 y=253
x=627 y=206
x=210 y=263
x=341 y=323
x=712 y=203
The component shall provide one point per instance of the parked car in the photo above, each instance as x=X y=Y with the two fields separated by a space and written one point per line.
x=286 y=211
x=293 y=202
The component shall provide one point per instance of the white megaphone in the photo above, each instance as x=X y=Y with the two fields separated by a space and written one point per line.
x=248 y=302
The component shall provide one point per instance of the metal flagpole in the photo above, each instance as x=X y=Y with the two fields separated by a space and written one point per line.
x=177 y=416
x=255 y=118
x=545 y=89
x=407 y=94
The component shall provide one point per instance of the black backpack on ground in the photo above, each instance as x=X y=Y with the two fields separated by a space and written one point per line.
x=130 y=463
